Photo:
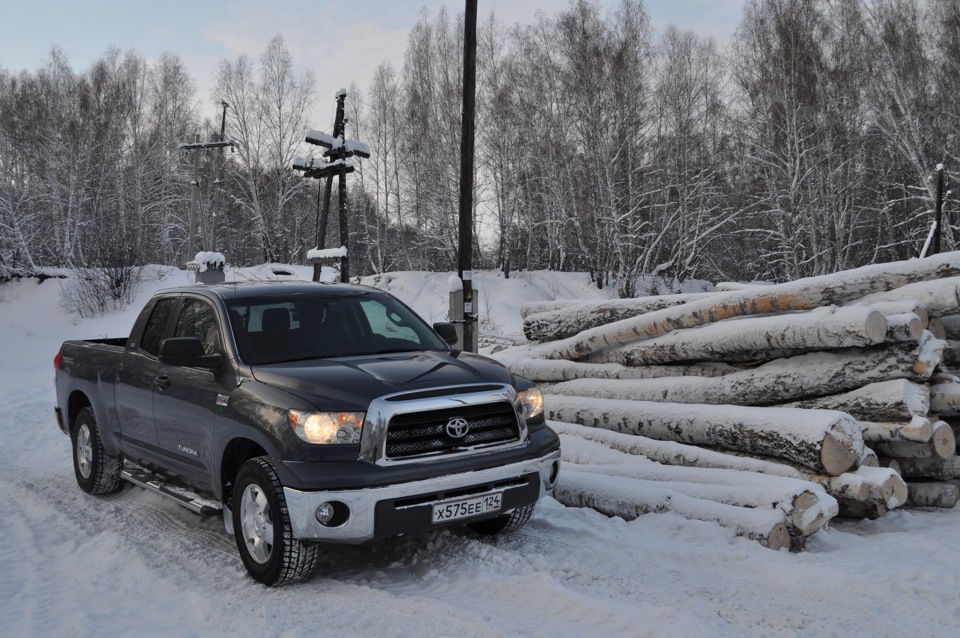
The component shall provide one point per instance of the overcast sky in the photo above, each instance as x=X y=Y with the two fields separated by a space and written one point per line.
x=340 y=40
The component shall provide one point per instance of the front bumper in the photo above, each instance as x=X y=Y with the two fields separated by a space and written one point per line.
x=379 y=512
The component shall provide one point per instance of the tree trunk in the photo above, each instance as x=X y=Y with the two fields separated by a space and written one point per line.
x=821 y=440
x=629 y=499
x=757 y=338
x=624 y=307
x=809 y=375
x=803 y=294
x=895 y=400
x=941 y=444
x=940 y=295
x=549 y=321
x=933 y=468
x=951 y=326
x=553 y=370
x=889 y=308
x=904 y=327
x=945 y=399
x=917 y=430
x=854 y=486
x=932 y=494
x=806 y=506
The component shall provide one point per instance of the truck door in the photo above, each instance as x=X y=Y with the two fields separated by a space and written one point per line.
x=134 y=390
x=185 y=400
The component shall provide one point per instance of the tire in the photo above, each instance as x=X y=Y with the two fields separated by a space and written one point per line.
x=96 y=471
x=505 y=523
x=261 y=526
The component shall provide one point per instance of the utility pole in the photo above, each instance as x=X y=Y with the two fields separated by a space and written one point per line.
x=217 y=183
x=465 y=256
x=339 y=149
x=195 y=202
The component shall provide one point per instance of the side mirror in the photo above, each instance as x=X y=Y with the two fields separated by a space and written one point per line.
x=447 y=332
x=188 y=352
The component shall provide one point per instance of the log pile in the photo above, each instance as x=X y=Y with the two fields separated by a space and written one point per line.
x=847 y=382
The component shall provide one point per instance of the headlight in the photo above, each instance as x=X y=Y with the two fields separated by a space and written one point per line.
x=327 y=427
x=532 y=401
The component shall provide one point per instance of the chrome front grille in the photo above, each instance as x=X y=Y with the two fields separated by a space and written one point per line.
x=420 y=433
x=415 y=427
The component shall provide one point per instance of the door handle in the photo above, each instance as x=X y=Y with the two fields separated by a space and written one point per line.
x=162 y=382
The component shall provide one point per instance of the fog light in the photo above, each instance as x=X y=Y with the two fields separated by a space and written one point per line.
x=554 y=475
x=325 y=513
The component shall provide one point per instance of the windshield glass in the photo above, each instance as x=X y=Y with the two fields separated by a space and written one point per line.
x=279 y=329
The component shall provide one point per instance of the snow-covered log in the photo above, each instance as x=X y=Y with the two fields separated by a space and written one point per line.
x=821 y=440
x=809 y=375
x=932 y=494
x=951 y=326
x=935 y=326
x=935 y=468
x=900 y=308
x=853 y=486
x=553 y=370
x=629 y=499
x=803 y=294
x=885 y=486
x=941 y=444
x=939 y=295
x=757 y=338
x=806 y=506
x=904 y=327
x=611 y=307
x=894 y=400
x=917 y=430
x=945 y=399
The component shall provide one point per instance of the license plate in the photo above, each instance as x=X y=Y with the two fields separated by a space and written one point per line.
x=466 y=508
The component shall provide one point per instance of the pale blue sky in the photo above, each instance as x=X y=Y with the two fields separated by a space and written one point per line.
x=340 y=40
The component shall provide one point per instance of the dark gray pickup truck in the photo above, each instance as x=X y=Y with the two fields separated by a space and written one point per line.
x=304 y=412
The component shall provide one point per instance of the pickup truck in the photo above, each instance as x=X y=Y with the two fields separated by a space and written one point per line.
x=304 y=413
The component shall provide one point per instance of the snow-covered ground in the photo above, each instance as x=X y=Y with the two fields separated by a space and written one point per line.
x=133 y=564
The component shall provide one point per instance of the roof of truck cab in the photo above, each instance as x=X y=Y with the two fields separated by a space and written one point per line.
x=283 y=288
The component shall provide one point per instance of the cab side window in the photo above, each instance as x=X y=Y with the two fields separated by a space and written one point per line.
x=198 y=319
x=153 y=332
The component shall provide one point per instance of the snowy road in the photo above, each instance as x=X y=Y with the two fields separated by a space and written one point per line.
x=135 y=565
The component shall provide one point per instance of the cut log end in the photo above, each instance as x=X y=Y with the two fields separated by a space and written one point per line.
x=943 y=441
x=837 y=456
x=779 y=538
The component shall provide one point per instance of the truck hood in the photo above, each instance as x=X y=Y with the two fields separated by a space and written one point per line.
x=351 y=383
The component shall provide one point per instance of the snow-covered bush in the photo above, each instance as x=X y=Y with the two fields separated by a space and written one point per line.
x=94 y=291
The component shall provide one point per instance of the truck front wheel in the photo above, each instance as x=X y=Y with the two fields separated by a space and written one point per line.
x=261 y=526
x=96 y=471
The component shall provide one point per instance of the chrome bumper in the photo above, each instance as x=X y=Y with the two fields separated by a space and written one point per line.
x=361 y=525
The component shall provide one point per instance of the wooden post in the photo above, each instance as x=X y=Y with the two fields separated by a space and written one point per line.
x=938 y=222
x=194 y=205
x=465 y=258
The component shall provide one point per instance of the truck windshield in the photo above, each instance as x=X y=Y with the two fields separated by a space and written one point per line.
x=282 y=329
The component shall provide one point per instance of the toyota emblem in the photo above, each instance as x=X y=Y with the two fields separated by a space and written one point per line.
x=457 y=427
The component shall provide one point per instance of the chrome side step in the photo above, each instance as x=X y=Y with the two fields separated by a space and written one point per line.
x=178 y=495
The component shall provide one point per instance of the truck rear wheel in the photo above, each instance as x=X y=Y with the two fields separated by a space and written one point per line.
x=262 y=528
x=96 y=471
x=509 y=522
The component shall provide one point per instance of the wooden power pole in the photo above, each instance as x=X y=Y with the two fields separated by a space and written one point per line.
x=465 y=256
x=339 y=149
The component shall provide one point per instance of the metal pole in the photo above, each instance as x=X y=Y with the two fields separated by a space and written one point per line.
x=465 y=258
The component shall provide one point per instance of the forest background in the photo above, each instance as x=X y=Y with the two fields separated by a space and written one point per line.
x=806 y=145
